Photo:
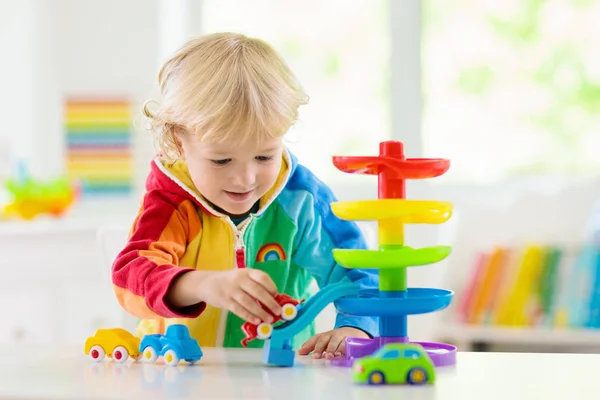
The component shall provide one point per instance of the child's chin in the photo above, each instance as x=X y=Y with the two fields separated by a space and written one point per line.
x=238 y=209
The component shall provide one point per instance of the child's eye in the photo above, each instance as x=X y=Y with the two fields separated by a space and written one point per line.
x=221 y=162
x=264 y=158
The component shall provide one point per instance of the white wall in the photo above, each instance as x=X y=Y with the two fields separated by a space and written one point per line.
x=18 y=76
x=107 y=47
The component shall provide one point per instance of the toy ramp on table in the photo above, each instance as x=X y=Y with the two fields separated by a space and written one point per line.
x=312 y=307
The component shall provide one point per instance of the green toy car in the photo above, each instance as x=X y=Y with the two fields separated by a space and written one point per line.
x=396 y=363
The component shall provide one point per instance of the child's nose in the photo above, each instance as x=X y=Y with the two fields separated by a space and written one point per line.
x=244 y=178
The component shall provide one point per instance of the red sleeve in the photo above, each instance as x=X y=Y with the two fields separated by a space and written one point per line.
x=145 y=269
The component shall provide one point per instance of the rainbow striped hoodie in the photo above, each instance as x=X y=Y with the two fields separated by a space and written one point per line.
x=291 y=237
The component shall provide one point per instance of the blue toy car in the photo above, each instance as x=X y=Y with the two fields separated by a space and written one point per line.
x=175 y=345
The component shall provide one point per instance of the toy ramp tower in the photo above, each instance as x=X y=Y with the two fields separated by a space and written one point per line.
x=394 y=301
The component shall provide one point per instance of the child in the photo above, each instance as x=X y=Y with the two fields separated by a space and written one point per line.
x=229 y=219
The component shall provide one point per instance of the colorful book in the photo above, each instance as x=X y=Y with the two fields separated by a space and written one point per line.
x=579 y=290
x=548 y=284
x=505 y=287
x=484 y=297
x=593 y=317
x=466 y=299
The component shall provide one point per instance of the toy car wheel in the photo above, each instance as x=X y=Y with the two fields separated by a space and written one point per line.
x=264 y=330
x=120 y=354
x=149 y=354
x=417 y=376
x=171 y=357
x=288 y=312
x=97 y=353
x=376 y=378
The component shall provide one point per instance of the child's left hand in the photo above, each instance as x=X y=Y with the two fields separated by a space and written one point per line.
x=332 y=343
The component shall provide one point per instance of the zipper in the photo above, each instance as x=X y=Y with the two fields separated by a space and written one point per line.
x=240 y=258
x=239 y=248
x=239 y=261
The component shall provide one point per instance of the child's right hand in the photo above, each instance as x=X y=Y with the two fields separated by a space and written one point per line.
x=240 y=291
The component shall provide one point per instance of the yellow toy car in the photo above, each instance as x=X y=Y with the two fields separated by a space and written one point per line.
x=115 y=343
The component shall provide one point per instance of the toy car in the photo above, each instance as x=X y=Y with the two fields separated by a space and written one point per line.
x=396 y=363
x=175 y=345
x=289 y=311
x=115 y=343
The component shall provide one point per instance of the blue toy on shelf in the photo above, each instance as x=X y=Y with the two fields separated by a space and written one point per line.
x=175 y=345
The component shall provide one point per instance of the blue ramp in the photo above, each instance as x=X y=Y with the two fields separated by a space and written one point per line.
x=278 y=349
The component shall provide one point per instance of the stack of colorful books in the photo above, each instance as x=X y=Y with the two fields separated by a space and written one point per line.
x=533 y=286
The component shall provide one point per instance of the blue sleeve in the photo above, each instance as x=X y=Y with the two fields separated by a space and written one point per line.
x=319 y=232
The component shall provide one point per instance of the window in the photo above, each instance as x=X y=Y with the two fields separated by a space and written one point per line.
x=511 y=87
x=340 y=52
x=412 y=354
x=391 y=355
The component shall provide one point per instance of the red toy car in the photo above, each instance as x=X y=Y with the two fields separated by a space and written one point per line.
x=289 y=311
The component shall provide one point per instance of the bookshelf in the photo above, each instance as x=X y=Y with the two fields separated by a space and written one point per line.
x=530 y=297
x=560 y=338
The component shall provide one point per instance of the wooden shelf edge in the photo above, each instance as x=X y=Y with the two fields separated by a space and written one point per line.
x=520 y=335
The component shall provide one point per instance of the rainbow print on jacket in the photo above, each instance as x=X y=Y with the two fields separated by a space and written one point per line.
x=271 y=252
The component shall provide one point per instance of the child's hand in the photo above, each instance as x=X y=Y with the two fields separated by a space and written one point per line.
x=332 y=343
x=239 y=291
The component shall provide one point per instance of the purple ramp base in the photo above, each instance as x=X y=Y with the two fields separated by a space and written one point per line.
x=440 y=353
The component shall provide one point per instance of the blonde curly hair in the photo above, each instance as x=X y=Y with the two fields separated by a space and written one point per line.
x=224 y=87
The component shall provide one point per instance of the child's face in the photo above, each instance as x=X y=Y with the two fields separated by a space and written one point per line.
x=232 y=177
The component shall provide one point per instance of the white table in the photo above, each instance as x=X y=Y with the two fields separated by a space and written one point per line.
x=65 y=373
